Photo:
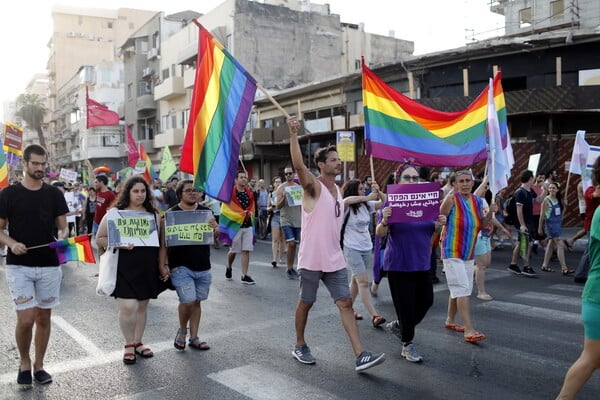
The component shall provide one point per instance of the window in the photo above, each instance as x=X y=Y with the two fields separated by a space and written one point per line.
x=557 y=9
x=525 y=17
x=357 y=64
x=129 y=90
x=164 y=74
x=142 y=47
x=185 y=115
x=358 y=107
x=107 y=25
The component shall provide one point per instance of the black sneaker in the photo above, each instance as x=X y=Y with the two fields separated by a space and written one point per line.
x=42 y=377
x=24 y=378
x=528 y=271
x=246 y=280
x=228 y=273
x=514 y=268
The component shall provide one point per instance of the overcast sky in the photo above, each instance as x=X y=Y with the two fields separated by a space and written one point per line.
x=432 y=24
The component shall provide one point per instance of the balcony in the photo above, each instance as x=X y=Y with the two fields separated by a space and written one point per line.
x=321 y=125
x=153 y=53
x=169 y=88
x=145 y=103
x=170 y=137
x=357 y=121
x=189 y=78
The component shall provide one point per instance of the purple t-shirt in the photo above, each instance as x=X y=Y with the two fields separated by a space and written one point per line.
x=409 y=246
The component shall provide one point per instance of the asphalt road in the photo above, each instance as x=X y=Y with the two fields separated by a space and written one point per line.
x=533 y=328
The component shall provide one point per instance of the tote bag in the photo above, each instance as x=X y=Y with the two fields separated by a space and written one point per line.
x=107 y=272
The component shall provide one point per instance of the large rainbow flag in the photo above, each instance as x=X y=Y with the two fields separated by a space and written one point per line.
x=397 y=127
x=221 y=103
x=233 y=216
x=76 y=248
x=3 y=168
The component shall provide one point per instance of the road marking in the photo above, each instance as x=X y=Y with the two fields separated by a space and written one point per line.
x=567 y=288
x=532 y=312
x=550 y=298
x=83 y=341
x=260 y=383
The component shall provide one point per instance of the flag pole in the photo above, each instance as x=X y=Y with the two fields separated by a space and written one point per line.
x=39 y=246
x=272 y=100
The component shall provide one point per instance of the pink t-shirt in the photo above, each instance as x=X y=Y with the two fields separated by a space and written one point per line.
x=320 y=236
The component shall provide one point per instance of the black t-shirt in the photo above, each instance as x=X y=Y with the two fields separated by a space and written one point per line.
x=526 y=198
x=171 y=198
x=196 y=258
x=31 y=216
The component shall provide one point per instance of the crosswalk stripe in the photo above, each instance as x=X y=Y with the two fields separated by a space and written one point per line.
x=83 y=341
x=532 y=312
x=260 y=383
x=567 y=288
x=550 y=298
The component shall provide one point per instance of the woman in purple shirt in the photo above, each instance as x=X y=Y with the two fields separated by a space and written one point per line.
x=407 y=263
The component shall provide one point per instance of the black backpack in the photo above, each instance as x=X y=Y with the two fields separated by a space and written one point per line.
x=510 y=217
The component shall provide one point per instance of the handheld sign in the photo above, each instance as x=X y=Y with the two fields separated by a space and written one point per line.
x=190 y=227
x=131 y=227
x=293 y=195
x=414 y=202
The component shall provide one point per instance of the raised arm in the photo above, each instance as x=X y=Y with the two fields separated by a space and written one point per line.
x=307 y=179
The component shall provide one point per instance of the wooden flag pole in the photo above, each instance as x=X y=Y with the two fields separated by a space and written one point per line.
x=372 y=169
x=272 y=100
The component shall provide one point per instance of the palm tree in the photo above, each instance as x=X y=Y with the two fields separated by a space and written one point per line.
x=32 y=109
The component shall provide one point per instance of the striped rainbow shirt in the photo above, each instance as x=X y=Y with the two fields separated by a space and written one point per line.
x=463 y=223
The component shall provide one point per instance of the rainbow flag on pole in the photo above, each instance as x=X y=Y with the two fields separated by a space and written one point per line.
x=397 y=127
x=221 y=103
x=76 y=248
x=3 y=168
x=149 y=171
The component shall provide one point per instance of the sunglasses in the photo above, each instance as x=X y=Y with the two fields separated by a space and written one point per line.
x=190 y=191
x=338 y=211
x=289 y=173
x=410 y=178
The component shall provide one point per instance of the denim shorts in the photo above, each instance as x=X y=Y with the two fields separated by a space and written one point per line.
x=336 y=282
x=191 y=285
x=358 y=261
x=482 y=245
x=291 y=233
x=34 y=286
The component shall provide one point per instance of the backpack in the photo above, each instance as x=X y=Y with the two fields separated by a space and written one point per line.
x=346 y=216
x=510 y=207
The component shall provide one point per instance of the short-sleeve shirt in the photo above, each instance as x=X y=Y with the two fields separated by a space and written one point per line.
x=591 y=291
x=463 y=224
x=526 y=199
x=356 y=232
x=31 y=216
x=103 y=201
x=245 y=202
x=196 y=257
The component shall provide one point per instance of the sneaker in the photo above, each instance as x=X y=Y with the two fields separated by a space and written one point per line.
x=42 y=377
x=393 y=328
x=246 y=280
x=410 y=353
x=367 y=360
x=291 y=273
x=24 y=378
x=514 y=268
x=303 y=354
x=528 y=271
x=228 y=273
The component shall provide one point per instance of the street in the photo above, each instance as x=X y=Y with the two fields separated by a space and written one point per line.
x=533 y=329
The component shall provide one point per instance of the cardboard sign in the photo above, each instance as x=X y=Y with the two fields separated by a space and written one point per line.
x=188 y=227
x=67 y=175
x=131 y=227
x=293 y=195
x=414 y=202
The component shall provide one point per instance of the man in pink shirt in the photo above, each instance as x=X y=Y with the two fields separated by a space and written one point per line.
x=320 y=256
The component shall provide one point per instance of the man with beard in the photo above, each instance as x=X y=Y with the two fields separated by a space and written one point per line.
x=32 y=210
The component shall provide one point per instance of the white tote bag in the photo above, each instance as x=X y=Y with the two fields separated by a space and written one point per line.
x=107 y=272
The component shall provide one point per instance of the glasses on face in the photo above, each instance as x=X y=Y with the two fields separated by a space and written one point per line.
x=38 y=164
x=338 y=211
x=410 y=178
x=190 y=191
x=289 y=173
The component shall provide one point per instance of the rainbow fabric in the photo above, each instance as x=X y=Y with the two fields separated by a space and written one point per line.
x=461 y=229
x=76 y=248
x=398 y=128
x=149 y=172
x=232 y=217
x=221 y=103
x=3 y=168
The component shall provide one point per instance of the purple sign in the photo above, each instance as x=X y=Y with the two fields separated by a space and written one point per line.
x=412 y=202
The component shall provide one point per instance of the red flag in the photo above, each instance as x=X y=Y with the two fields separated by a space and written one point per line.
x=133 y=155
x=98 y=114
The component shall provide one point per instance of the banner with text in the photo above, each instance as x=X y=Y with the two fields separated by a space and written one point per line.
x=414 y=202
x=185 y=228
x=293 y=195
x=131 y=227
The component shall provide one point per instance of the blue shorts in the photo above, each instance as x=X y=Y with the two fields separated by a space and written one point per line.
x=336 y=282
x=33 y=286
x=590 y=315
x=358 y=261
x=291 y=233
x=275 y=220
x=482 y=245
x=191 y=285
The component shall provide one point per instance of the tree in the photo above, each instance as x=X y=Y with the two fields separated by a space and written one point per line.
x=32 y=109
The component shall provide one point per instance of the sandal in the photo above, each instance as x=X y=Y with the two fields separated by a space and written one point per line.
x=357 y=316
x=180 y=343
x=195 y=343
x=129 y=356
x=547 y=269
x=144 y=352
x=378 y=320
x=567 y=271
x=567 y=245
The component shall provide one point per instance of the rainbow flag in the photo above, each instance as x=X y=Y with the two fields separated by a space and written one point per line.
x=149 y=172
x=397 y=127
x=76 y=248
x=233 y=216
x=221 y=103
x=3 y=168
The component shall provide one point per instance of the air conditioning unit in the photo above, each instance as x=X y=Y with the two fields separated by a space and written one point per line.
x=147 y=72
x=152 y=53
x=71 y=34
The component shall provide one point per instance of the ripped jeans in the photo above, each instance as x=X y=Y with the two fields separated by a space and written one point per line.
x=33 y=286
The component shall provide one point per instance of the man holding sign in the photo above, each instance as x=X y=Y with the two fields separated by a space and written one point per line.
x=289 y=202
x=189 y=267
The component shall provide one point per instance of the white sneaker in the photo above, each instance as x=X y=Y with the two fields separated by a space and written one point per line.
x=410 y=353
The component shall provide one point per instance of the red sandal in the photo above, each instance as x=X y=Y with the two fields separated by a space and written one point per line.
x=129 y=356
x=378 y=320
x=144 y=352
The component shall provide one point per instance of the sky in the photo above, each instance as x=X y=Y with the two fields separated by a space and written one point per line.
x=433 y=25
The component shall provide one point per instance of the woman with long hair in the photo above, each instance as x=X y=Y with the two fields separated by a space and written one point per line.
x=356 y=240
x=90 y=209
x=551 y=218
x=138 y=276
x=277 y=242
